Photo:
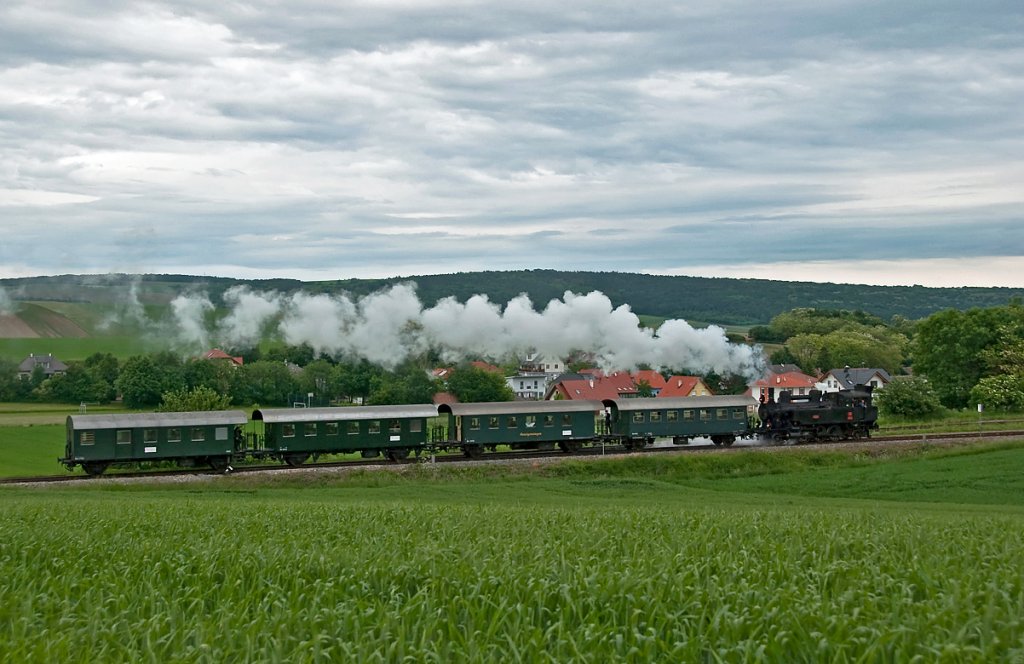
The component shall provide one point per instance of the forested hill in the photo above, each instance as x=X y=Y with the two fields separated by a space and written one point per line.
x=727 y=301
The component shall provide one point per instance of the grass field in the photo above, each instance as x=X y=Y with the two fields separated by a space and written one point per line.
x=792 y=555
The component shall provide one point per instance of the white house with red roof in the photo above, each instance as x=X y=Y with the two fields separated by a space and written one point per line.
x=782 y=377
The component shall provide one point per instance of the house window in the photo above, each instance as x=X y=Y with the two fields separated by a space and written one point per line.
x=124 y=436
x=174 y=435
x=199 y=434
x=149 y=436
x=310 y=429
x=332 y=428
x=87 y=438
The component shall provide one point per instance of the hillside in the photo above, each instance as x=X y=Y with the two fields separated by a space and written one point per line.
x=81 y=305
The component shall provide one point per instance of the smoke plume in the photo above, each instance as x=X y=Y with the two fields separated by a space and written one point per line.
x=391 y=325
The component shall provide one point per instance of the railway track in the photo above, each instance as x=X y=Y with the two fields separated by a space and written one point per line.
x=594 y=451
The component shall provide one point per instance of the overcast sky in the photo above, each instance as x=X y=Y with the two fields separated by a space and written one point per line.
x=865 y=142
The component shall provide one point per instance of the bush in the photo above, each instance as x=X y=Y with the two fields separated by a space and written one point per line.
x=909 y=397
x=1003 y=392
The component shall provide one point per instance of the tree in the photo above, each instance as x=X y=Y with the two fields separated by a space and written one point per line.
x=1004 y=392
x=356 y=379
x=78 y=384
x=198 y=398
x=143 y=380
x=105 y=367
x=263 y=382
x=908 y=397
x=407 y=384
x=471 y=384
x=950 y=348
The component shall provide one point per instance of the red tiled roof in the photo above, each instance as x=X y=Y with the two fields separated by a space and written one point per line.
x=652 y=378
x=786 y=381
x=680 y=386
x=218 y=354
x=487 y=367
x=614 y=386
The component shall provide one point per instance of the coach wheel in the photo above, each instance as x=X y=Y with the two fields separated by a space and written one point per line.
x=296 y=459
x=727 y=440
x=369 y=454
x=680 y=440
x=546 y=446
x=218 y=463
x=717 y=440
x=94 y=467
x=569 y=446
x=398 y=453
x=473 y=451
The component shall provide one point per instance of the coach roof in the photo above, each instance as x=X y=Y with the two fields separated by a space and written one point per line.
x=156 y=420
x=342 y=414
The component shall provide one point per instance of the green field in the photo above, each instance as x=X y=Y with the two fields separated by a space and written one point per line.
x=788 y=555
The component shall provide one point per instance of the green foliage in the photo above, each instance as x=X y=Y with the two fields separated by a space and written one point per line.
x=1003 y=392
x=409 y=383
x=263 y=382
x=850 y=345
x=908 y=397
x=808 y=320
x=194 y=399
x=471 y=384
x=144 y=379
x=78 y=384
x=951 y=348
x=106 y=368
x=739 y=557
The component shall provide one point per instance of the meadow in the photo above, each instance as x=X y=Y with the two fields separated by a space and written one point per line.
x=910 y=554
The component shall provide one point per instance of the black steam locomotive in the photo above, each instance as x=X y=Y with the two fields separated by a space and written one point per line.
x=818 y=416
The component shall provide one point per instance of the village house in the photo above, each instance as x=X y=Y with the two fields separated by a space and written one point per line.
x=847 y=378
x=50 y=365
x=781 y=377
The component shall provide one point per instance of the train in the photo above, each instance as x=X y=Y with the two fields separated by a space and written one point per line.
x=293 y=436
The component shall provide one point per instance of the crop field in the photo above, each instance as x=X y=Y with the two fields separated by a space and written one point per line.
x=789 y=556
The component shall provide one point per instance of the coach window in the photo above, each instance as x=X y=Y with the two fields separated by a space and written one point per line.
x=723 y=413
x=288 y=430
x=353 y=428
x=87 y=438
x=124 y=436
x=738 y=414
x=415 y=426
x=394 y=426
x=688 y=415
x=655 y=416
x=474 y=423
x=492 y=423
x=174 y=435
x=149 y=435
x=705 y=414
x=199 y=434
x=332 y=428
x=672 y=416
x=531 y=421
x=374 y=427
x=513 y=422
x=310 y=429
x=566 y=420
x=549 y=420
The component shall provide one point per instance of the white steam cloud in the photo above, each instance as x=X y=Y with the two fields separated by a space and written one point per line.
x=392 y=325
x=6 y=303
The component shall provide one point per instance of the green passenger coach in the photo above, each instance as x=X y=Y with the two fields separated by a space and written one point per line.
x=639 y=421
x=295 y=434
x=98 y=441
x=521 y=424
